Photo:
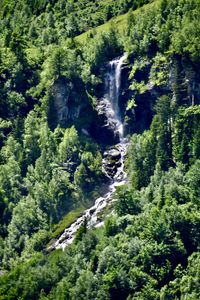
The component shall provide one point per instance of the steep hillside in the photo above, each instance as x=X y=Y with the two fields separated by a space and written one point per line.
x=70 y=103
x=45 y=22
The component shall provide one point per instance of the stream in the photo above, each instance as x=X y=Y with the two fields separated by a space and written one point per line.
x=113 y=157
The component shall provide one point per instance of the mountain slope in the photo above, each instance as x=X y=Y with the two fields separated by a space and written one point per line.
x=52 y=141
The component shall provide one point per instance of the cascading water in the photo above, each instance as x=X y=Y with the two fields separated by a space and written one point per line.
x=109 y=106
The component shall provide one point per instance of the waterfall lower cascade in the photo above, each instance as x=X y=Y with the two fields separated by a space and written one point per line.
x=109 y=106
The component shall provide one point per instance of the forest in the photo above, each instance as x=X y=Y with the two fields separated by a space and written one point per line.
x=53 y=60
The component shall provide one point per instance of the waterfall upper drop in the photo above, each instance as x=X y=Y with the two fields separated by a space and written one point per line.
x=109 y=105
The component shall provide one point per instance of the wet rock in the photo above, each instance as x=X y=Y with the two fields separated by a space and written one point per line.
x=113 y=153
x=84 y=131
x=111 y=161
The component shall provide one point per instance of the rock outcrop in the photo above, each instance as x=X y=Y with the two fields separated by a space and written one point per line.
x=68 y=101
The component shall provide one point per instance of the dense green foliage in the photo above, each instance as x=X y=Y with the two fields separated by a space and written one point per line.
x=149 y=249
x=143 y=253
x=43 y=22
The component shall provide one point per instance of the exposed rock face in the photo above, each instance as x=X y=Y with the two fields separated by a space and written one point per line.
x=69 y=105
x=182 y=84
x=67 y=102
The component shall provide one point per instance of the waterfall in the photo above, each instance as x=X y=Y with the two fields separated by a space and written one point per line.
x=109 y=106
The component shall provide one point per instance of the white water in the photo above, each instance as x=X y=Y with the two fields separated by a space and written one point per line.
x=109 y=106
